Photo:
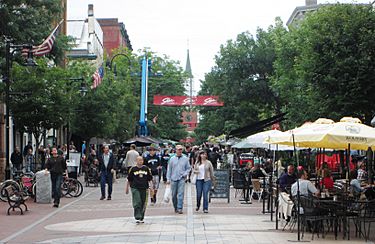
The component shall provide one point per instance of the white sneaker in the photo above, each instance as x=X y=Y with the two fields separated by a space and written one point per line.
x=138 y=221
x=141 y=221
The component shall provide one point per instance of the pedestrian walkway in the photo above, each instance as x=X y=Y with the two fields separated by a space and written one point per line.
x=89 y=220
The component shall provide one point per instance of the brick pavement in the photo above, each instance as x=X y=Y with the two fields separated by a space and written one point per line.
x=88 y=220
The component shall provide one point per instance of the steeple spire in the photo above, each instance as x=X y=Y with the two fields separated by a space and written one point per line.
x=188 y=66
x=190 y=75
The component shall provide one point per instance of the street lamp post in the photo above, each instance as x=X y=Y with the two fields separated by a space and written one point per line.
x=6 y=78
x=83 y=91
x=110 y=63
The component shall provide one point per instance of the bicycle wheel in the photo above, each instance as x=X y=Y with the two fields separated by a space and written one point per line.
x=15 y=186
x=75 y=188
x=65 y=189
x=34 y=189
x=79 y=188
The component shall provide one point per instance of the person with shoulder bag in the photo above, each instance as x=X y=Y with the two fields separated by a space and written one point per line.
x=205 y=179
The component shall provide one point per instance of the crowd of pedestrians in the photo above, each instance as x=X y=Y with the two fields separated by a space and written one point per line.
x=172 y=165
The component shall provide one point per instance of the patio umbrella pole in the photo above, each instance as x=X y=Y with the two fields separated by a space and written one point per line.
x=298 y=195
x=348 y=162
x=370 y=165
x=271 y=184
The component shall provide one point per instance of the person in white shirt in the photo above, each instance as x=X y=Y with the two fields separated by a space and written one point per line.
x=305 y=186
x=131 y=157
x=204 y=173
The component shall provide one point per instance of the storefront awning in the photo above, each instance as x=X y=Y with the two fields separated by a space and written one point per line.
x=257 y=126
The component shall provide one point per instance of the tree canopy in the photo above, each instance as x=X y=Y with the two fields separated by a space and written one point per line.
x=323 y=67
x=333 y=66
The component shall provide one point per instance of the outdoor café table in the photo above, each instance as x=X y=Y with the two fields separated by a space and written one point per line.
x=340 y=210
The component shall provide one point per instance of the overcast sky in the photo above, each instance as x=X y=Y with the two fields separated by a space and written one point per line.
x=170 y=27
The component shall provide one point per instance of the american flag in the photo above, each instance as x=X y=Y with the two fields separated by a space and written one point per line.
x=46 y=46
x=97 y=77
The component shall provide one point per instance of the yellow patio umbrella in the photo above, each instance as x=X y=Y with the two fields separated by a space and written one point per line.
x=348 y=133
x=286 y=138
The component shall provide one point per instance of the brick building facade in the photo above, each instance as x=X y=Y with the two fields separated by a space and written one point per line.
x=115 y=35
x=190 y=120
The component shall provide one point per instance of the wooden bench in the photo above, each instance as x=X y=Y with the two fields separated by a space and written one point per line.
x=15 y=199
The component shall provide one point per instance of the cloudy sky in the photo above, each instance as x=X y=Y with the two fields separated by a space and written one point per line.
x=170 y=27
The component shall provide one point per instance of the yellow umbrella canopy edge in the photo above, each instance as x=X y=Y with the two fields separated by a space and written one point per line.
x=286 y=137
x=325 y=134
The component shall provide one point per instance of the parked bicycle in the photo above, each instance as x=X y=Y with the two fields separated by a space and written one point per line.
x=21 y=182
x=71 y=187
x=26 y=182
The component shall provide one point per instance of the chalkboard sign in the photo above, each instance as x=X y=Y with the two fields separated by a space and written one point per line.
x=221 y=189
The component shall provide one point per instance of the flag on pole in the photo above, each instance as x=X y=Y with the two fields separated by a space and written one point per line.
x=97 y=77
x=46 y=45
x=155 y=119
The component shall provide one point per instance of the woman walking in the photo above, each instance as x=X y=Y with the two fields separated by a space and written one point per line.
x=204 y=172
x=139 y=178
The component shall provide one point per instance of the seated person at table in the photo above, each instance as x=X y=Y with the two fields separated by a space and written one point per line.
x=323 y=168
x=257 y=172
x=362 y=174
x=287 y=179
x=306 y=188
x=327 y=181
x=355 y=185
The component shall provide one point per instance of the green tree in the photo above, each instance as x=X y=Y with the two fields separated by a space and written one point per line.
x=112 y=110
x=171 y=83
x=29 y=21
x=330 y=67
x=38 y=102
x=243 y=78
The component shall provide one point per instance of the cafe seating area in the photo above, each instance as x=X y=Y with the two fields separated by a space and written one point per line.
x=336 y=212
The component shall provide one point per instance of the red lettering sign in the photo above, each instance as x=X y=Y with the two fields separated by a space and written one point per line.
x=187 y=101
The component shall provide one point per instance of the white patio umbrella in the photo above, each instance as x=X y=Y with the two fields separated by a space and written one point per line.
x=258 y=141
x=348 y=133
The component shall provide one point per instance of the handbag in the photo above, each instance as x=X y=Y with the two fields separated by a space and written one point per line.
x=167 y=194
x=193 y=180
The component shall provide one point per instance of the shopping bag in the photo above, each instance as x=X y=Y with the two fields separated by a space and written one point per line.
x=167 y=194
x=193 y=179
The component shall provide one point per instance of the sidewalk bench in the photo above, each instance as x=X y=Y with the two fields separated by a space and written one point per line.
x=15 y=199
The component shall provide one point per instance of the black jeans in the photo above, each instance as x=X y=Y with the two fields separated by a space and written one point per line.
x=56 y=180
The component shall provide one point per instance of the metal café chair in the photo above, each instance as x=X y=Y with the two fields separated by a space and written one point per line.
x=240 y=183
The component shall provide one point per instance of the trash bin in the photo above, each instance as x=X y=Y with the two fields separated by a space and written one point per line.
x=43 y=187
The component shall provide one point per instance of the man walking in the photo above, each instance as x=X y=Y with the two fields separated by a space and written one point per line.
x=139 y=179
x=57 y=166
x=106 y=165
x=131 y=157
x=152 y=160
x=178 y=170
